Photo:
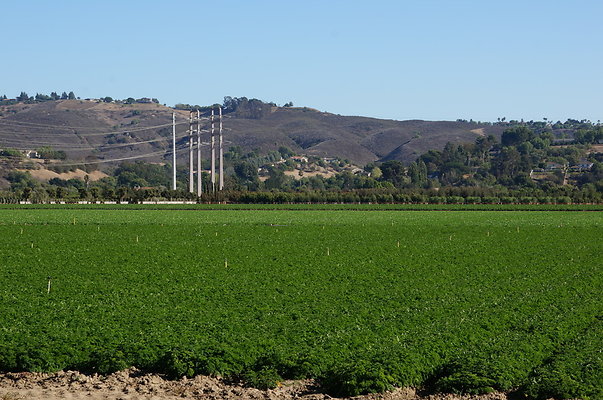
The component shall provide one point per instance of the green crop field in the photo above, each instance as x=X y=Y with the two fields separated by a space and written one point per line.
x=461 y=301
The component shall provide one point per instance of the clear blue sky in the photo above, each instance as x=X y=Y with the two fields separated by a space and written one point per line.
x=421 y=59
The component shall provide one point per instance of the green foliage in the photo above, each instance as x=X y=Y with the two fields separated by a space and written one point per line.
x=356 y=378
x=23 y=97
x=143 y=174
x=277 y=179
x=286 y=152
x=516 y=136
x=393 y=171
x=20 y=180
x=107 y=361
x=460 y=301
x=48 y=152
x=247 y=108
x=42 y=97
x=178 y=363
x=12 y=153
x=465 y=383
x=575 y=371
x=247 y=175
x=264 y=378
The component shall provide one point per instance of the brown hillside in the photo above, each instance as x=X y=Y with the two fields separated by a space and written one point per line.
x=93 y=131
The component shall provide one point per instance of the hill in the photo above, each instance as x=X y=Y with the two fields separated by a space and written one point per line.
x=88 y=131
x=93 y=131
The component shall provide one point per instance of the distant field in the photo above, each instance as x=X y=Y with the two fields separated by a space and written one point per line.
x=453 y=301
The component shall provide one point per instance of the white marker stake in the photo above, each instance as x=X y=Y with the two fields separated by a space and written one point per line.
x=328 y=252
x=398 y=243
x=225 y=263
x=49 y=279
x=136 y=238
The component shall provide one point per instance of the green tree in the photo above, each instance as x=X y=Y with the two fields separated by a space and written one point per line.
x=42 y=97
x=20 y=180
x=285 y=152
x=277 y=179
x=516 y=136
x=418 y=173
x=61 y=192
x=130 y=179
x=71 y=96
x=507 y=164
x=393 y=171
x=247 y=175
x=23 y=97
x=376 y=173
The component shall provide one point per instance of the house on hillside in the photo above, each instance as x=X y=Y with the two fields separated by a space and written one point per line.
x=300 y=159
x=30 y=153
x=562 y=141
x=581 y=166
x=553 y=166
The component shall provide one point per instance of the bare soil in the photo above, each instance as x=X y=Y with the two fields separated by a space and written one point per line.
x=46 y=175
x=132 y=384
x=596 y=148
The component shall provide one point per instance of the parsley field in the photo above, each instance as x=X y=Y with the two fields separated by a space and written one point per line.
x=453 y=301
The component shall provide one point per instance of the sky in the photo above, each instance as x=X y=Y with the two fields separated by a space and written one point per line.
x=419 y=59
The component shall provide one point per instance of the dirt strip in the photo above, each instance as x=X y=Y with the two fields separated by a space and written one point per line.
x=132 y=384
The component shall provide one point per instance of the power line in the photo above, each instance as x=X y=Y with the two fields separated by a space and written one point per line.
x=156 y=153
x=164 y=152
x=18 y=123
x=146 y=128
x=83 y=147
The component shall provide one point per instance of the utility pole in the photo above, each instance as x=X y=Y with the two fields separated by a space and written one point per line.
x=213 y=153
x=221 y=186
x=191 y=130
x=173 y=151
x=199 y=189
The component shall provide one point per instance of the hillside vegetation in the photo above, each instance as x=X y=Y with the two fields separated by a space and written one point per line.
x=52 y=147
x=73 y=125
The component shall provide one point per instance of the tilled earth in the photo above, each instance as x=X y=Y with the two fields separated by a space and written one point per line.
x=132 y=384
